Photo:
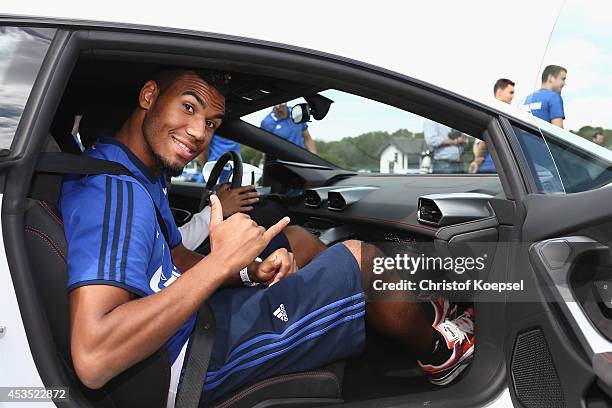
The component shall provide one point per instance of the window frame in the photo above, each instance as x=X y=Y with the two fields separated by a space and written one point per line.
x=40 y=60
x=524 y=163
x=554 y=142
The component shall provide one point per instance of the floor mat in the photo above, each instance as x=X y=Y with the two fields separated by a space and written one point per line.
x=385 y=369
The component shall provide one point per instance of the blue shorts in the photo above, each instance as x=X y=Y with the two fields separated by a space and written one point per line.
x=279 y=241
x=305 y=321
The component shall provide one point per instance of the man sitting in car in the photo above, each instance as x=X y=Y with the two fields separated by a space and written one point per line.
x=133 y=290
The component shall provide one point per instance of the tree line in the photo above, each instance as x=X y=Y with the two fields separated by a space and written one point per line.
x=588 y=131
x=362 y=152
x=351 y=152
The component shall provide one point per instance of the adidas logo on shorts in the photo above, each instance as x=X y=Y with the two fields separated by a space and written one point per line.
x=281 y=313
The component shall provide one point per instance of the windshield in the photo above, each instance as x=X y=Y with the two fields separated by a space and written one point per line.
x=367 y=136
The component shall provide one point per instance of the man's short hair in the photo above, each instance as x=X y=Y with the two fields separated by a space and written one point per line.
x=553 y=70
x=501 y=83
x=166 y=77
x=596 y=133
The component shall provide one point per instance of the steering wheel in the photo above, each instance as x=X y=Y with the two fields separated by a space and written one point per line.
x=216 y=172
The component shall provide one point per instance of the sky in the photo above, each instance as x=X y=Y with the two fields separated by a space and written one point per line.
x=352 y=115
x=463 y=46
x=582 y=43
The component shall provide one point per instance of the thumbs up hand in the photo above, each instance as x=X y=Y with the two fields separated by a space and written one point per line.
x=238 y=240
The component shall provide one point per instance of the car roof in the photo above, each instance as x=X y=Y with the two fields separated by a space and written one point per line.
x=129 y=22
x=394 y=35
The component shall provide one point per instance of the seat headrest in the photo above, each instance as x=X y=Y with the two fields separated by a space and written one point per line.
x=51 y=145
x=95 y=122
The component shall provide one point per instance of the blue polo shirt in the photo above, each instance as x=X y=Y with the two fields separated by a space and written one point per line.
x=545 y=104
x=220 y=145
x=487 y=165
x=285 y=128
x=112 y=231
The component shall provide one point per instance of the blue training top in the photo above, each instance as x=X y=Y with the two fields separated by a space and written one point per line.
x=487 y=165
x=285 y=128
x=112 y=231
x=545 y=104
x=219 y=145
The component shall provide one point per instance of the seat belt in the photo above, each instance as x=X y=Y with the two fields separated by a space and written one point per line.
x=68 y=163
x=201 y=342
x=199 y=351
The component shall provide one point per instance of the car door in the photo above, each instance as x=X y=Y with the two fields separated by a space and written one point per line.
x=559 y=336
x=559 y=327
x=22 y=60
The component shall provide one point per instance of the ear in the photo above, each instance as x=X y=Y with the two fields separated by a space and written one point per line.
x=148 y=95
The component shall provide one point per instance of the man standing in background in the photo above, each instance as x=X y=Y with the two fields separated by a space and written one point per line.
x=483 y=163
x=219 y=145
x=547 y=103
x=504 y=90
x=447 y=145
x=280 y=123
x=599 y=138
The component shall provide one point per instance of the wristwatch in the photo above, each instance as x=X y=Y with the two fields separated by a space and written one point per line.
x=244 y=276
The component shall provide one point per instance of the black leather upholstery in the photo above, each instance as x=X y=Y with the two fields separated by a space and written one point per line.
x=96 y=122
x=322 y=383
x=145 y=384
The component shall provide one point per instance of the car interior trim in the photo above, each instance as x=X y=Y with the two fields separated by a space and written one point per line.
x=29 y=139
x=588 y=335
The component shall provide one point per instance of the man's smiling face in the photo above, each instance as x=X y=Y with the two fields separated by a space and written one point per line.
x=181 y=120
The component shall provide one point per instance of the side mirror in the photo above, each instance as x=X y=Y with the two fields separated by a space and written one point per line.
x=319 y=105
x=317 y=108
x=300 y=113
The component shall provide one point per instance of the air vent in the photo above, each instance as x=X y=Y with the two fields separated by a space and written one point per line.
x=340 y=198
x=312 y=199
x=335 y=201
x=429 y=213
x=441 y=210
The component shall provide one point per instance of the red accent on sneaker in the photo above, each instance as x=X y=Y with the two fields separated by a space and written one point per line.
x=442 y=309
x=459 y=336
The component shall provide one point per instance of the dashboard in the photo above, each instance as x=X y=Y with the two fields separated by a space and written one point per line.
x=334 y=196
x=441 y=215
x=446 y=215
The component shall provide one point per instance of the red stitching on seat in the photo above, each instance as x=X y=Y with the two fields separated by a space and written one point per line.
x=264 y=383
x=45 y=205
x=607 y=357
x=54 y=246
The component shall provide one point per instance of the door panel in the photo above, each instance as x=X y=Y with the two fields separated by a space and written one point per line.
x=560 y=324
x=563 y=323
x=560 y=262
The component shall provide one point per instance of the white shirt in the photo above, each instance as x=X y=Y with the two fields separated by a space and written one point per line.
x=196 y=230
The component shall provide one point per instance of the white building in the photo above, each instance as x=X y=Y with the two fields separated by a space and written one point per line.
x=401 y=156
